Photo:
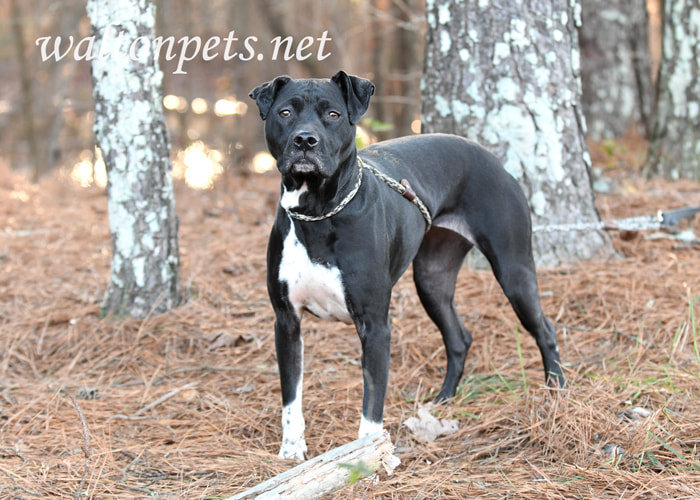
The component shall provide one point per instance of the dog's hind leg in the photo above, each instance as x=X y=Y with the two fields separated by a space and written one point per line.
x=435 y=270
x=514 y=268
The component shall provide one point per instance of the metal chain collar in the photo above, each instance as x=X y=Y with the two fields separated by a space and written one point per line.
x=338 y=208
x=400 y=188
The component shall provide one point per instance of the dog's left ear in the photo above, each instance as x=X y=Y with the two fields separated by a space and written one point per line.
x=356 y=91
x=265 y=94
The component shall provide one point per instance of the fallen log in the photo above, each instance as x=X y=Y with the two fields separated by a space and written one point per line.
x=328 y=472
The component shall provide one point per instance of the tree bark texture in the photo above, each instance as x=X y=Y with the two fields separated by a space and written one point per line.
x=615 y=67
x=26 y=87
x=131 y=131
x=506 y=74
x=674 y=149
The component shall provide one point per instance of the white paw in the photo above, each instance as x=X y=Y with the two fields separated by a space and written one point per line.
x=293 y=450
x=368 y=428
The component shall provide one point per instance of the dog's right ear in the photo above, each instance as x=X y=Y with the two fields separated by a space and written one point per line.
x=266 y=93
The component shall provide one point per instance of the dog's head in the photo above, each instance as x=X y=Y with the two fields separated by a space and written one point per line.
x=310 y=124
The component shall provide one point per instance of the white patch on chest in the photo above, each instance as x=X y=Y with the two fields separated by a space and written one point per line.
x=312 y=286
x=290 y=199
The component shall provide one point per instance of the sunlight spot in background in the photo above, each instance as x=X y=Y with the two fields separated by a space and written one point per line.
x=199 y=106
x=198 y=165
x=90 y=169
x=99 y=172
x=20 y=196
x=415 y=126
x=362 y=137
x=82 y=173
x=263 y=162
x=175 y=103
x=230 y=106
x=222 y=107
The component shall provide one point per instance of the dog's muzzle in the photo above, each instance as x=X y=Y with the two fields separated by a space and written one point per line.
x=304 y=168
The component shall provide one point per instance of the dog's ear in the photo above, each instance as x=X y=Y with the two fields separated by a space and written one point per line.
x=356 y=91
x=266 y=93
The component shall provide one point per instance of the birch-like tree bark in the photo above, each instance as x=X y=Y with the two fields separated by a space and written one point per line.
x=132 y=134
x=507 y=75
x=674 y=149
x=615 y=67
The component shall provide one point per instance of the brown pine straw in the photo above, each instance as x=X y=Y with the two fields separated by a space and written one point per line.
x=187 y=404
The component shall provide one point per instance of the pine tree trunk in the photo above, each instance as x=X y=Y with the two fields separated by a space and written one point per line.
x=25 y=77
x=615 y=67
x=674 y=149
x=131 y=131
x=508 y=77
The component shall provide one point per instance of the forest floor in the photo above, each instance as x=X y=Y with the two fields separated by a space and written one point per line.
x=187 y=404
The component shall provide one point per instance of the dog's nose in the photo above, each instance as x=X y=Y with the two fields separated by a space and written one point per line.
x=305 y=141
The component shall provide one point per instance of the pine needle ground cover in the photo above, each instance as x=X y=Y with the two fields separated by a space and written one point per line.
x=187 y=404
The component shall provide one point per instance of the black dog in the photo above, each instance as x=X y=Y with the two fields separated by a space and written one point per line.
x=346 y=230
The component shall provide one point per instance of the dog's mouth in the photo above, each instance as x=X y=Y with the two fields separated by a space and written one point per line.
x=306 y=171
x=304 y=167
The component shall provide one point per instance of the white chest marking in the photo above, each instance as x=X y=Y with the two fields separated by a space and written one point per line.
x=314 y=287
x=290 y=199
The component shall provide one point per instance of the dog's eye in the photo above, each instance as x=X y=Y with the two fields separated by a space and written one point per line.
x=333 y=115
x=285 y=113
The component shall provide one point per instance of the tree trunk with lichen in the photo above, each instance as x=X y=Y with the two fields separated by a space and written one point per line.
x=508 y=77
x=131 y=132
x=615 y=67
x=674 y=149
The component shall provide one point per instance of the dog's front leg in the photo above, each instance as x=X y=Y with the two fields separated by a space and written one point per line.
x=375 y=336
x=290 y=359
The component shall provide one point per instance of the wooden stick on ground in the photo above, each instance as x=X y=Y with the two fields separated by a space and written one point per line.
x=327 y=472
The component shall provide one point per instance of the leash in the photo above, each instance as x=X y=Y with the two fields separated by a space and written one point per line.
x=667 y=220
x=646 y=223
x=403 y=188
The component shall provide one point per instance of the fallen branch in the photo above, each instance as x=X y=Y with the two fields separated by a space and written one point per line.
x=86 y=447
x=139 y=413
x=328 y=472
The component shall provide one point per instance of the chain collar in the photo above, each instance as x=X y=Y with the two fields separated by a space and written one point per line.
x=403 y=188
x=338 y=208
